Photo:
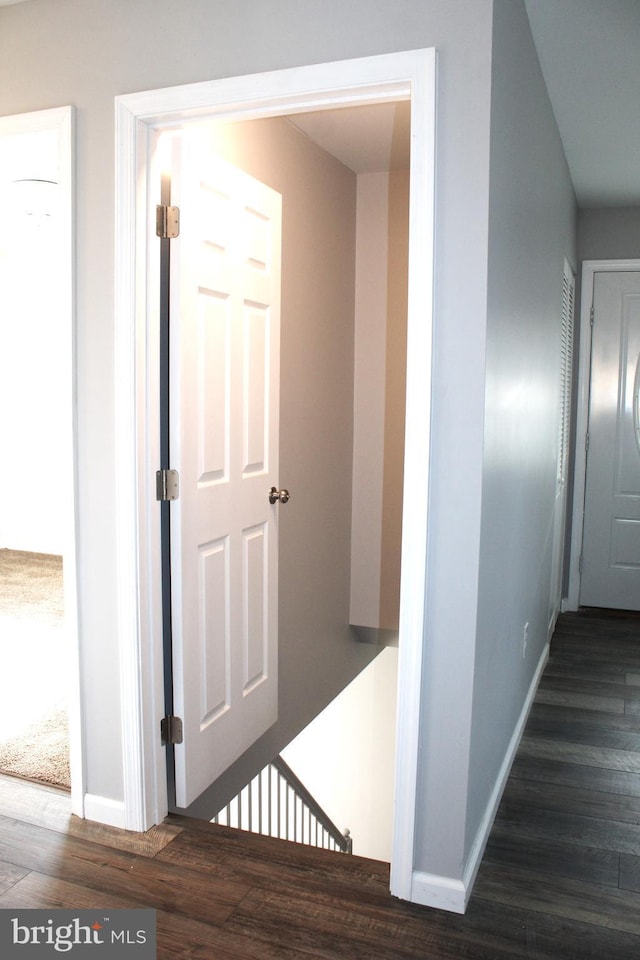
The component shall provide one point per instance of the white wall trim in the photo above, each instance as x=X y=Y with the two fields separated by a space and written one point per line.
x=447 y=893
x=416 y=469
x=441 y=893
x=137 y=516
x=589 y=269
x=105 y=810
x=66 y=117
x=383 y=78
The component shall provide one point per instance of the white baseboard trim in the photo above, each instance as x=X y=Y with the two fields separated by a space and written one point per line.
x=104 y=810
x=446 y=893
x=443 y=893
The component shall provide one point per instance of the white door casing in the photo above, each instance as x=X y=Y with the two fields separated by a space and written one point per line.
x=139 y=118
x=611 y=537
x=224 y=390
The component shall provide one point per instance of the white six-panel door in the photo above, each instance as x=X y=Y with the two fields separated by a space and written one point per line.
x=611 y=539
x=224 y=393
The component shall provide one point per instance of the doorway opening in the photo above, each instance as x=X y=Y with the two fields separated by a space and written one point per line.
x=37 y=517
x=342 y=181
x=622 y=401
x=34 y=714
x=388 y=78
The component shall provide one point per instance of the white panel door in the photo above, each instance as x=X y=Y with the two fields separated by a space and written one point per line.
x=224 y=394
x=611 y=540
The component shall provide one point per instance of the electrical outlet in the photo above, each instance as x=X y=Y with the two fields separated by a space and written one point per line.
x=525 y=639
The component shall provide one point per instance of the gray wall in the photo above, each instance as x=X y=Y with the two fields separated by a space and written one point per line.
x=532 y=228
x=84 y=52
x=609 y=233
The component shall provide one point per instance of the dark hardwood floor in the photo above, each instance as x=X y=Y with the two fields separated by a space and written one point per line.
x=566 y=841
x=560 y=878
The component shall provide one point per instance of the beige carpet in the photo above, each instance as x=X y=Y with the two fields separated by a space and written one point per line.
x=31 y=586
x=41 y=753
x=32 y=650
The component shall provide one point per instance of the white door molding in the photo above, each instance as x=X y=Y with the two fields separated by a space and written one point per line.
x=589 y=269
x=139 y=119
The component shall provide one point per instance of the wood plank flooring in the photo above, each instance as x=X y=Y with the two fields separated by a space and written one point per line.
x=560 y=879
x=566 y=842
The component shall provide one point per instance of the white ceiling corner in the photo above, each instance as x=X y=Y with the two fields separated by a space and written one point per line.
x=367 y=139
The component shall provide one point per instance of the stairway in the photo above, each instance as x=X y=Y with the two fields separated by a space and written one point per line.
x=275 y=803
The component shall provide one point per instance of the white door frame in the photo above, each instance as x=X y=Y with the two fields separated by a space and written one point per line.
x=139 y=118
x=589 y=270
x=61 y=121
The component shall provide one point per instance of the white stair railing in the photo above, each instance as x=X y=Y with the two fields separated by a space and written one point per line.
x=277 y=804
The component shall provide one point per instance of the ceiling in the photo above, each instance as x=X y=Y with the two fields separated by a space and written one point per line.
x=589 y=52
x=367 y=139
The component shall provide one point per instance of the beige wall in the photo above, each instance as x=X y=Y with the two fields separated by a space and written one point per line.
x=380 y=383
x=346 y=757
x=395 y=390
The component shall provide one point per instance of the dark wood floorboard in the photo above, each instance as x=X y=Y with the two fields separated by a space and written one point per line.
x=560 y=878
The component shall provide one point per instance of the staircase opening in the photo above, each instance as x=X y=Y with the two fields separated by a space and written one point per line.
x=277 y=804
x=332 y=786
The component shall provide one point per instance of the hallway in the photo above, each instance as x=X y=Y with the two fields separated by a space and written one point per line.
x=560 y=879
x=564 y=853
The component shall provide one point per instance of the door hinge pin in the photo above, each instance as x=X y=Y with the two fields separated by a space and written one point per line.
x=591 y=315
x=171 y=730
x=167 y=222
x=167 y=485
x=586 y=443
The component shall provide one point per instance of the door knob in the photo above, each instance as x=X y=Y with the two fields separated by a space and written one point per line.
x=282 y=495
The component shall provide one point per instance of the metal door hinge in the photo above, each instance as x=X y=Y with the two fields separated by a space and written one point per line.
x=167 y=485
x=591 y=315
x=171 y=730
x=580 y=563
x=586 y=443
x=167 y=222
